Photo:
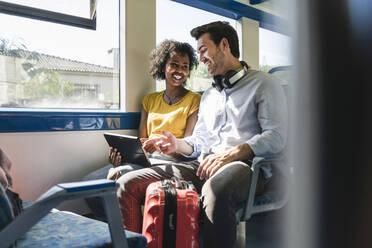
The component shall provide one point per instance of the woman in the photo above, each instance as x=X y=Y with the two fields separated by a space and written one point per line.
x=173 y=109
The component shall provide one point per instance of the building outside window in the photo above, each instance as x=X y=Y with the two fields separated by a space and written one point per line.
x=45 y=64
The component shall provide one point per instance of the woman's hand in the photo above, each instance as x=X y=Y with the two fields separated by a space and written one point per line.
x=114 y=157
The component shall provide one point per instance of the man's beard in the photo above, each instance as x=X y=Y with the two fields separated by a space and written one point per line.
x=218 y=59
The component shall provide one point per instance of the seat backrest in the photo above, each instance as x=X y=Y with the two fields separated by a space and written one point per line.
x=283 y=73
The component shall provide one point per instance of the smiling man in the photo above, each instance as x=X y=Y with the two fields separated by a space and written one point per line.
x=242 y=115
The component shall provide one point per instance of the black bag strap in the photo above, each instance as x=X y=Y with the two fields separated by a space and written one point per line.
x=170 y=214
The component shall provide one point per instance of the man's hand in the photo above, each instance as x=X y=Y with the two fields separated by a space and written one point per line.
x=213 y=162
x=148 y=145
x=166 y=143
x=114 y=157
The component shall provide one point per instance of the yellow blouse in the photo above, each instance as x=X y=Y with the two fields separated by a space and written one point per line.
x=171 y=118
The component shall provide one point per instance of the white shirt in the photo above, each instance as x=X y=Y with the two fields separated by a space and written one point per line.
x=254 y=111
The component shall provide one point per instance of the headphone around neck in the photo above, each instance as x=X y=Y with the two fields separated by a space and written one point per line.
x=230 y=78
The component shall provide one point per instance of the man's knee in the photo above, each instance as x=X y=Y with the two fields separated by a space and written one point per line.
x=214 y=196
x=225 y=178
x=213 y=187
x=219 y=189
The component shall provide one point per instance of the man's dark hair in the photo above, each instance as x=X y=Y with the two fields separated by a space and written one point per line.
x=160 y=55
x=217 y=31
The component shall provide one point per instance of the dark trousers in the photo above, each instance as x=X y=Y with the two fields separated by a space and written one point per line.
x=220 y=195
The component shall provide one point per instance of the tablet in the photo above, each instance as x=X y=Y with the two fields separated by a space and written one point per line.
x=130 y=148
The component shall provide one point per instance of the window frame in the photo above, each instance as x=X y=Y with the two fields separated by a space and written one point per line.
x=50 y=121
x=236 y=10
x=51 y=16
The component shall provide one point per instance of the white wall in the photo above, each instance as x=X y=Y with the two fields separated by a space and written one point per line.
x=41 y=160
x=248 y=31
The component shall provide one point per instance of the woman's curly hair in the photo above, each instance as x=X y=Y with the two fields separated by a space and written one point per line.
x=160 y=55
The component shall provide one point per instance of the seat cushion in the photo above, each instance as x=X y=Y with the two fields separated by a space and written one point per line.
x=265 y=199
x=259 y=200
x=65 y=229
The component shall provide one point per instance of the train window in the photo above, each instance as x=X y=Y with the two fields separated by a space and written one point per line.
x=275 y=49
x=49 y=65
x=175 y=21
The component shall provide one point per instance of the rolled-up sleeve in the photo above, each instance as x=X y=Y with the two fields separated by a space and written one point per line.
x=192 y=141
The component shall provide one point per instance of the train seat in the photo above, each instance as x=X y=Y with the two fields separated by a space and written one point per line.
x=271 y=200
x=42 y=226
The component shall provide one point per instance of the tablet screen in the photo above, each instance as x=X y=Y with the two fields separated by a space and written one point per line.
x=130 y=148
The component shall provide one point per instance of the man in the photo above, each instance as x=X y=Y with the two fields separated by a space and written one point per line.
x=242 y=116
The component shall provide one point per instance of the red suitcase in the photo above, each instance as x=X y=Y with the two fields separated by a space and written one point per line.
x=170 y=217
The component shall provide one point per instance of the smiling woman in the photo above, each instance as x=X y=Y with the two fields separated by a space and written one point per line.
x=174 y=109
x=171 y=61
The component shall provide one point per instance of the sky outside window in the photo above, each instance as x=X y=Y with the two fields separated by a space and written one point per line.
x=79 y=8
x=175 y=21
x=275 y=48
x=79 y=44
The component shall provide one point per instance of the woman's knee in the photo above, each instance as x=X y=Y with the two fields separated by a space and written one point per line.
x=133 y=184
x=128 y=168
x=127 y=184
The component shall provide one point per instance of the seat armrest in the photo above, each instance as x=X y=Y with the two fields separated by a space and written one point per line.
x=68 y=191
x=256 y=165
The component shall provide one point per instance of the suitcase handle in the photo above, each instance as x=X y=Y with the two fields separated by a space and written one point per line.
x=182 y=184
x=191 y=186
x=177 y=182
